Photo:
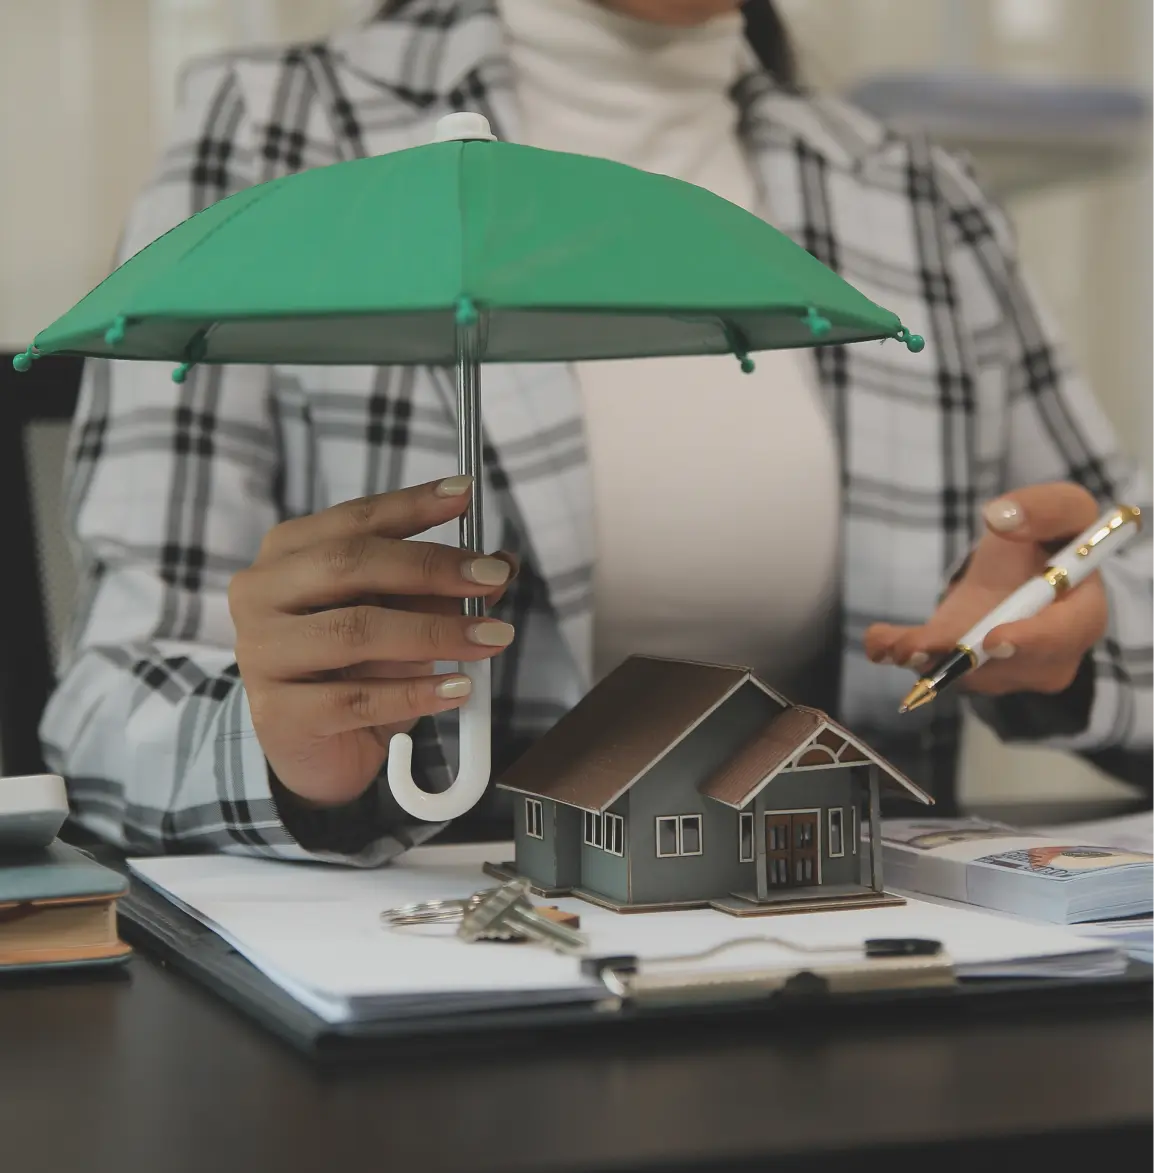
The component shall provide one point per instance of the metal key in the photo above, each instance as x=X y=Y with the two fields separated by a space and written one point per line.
x=508 y=910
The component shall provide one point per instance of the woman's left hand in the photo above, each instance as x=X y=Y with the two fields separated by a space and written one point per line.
x=1041 y=654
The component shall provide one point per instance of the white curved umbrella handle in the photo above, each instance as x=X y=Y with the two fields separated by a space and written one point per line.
x=476 y=758
x=475 y=715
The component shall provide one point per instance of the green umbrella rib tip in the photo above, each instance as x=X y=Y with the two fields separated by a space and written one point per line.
x=23 y=362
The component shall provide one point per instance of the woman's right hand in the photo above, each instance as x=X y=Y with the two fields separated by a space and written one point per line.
x=339 y=622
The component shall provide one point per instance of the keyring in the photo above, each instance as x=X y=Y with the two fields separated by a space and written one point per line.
x=430 y=911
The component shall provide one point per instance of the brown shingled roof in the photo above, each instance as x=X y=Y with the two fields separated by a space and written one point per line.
x=763 y=754
x=619 y=729
x=754 y=766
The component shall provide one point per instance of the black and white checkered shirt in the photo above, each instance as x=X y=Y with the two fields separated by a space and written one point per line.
x=173 y=488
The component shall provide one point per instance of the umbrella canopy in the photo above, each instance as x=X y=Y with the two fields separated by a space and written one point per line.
x=562 y=258
x=464 y=251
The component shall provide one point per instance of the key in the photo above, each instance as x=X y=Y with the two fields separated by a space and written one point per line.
x=508 y=910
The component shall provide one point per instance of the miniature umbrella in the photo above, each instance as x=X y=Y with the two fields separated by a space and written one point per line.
x=461 y=251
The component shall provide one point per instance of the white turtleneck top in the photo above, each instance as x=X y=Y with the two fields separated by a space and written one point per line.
x=715 y=492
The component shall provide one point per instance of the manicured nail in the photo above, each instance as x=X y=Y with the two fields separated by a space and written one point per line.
x=492 y=634
x=453 y=486
x=917 y=661
x=1003 y=515
x=486 y=571
x=1001 y=651
x=453 y=687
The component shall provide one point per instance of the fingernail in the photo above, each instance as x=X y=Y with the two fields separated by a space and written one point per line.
x=886 y=658
x=917 y=661
x=1001 y=651
x=454 y=686
x=453 y=486
x=492 y=634
x=1002 y=515
x=486 y=571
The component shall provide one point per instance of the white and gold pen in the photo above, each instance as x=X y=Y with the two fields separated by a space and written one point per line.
x=1070 y=566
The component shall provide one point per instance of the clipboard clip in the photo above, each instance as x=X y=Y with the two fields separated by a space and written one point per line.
x=878 y=964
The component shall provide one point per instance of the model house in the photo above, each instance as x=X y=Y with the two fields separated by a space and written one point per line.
x=683 y=785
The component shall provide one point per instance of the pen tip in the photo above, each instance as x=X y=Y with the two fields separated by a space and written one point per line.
x=922 y=693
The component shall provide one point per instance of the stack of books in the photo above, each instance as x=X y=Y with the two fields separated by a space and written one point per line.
x=58 y=909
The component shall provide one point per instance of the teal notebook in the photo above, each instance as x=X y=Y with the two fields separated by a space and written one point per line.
x=58 y=909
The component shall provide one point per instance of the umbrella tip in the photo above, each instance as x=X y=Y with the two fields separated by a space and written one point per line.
x=23 y=362
x=463 y=125
x=914 y=342
x=819 y=325
x=114 y=335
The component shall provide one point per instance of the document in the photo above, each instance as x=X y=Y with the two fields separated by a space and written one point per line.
x=316 y=930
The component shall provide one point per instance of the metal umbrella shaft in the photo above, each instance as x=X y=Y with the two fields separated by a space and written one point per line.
x=470 y=457
x=475 y=714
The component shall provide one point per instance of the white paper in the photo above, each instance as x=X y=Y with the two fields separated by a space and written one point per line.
x=315 y=929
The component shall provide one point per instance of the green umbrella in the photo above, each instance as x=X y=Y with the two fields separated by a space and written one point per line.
x=457 y=252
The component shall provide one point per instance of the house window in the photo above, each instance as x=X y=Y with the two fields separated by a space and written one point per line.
x=604 y=831
x=534 y=820
x=836 y=834
x=613 y=834
x=854 y=833
x=690 y=827
x=593 y=828
x=745 y=837
x=678 y=835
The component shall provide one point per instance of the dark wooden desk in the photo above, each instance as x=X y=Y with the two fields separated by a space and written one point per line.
x=145 y=1073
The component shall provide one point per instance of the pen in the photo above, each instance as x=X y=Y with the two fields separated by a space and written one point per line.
x=1070 y=566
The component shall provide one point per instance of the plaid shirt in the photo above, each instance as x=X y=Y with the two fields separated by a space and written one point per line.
x=172 y=488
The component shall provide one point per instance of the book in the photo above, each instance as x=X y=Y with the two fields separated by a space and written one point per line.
x=58 y=909
x=1058 y=878
x=316 y=931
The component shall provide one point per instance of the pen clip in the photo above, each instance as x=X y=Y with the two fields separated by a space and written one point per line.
x=1114 y=521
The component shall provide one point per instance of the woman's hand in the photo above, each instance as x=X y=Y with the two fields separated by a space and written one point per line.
x=339 y=622
x=1041 y=654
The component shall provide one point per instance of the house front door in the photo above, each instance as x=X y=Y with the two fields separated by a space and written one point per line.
x=791 y=849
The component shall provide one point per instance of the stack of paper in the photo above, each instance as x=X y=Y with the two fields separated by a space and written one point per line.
x=1134 y=832
x=316 y=931
x=1059 y=877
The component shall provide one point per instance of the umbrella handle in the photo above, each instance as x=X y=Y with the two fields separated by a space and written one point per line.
x=476 y=730
x=476 y=758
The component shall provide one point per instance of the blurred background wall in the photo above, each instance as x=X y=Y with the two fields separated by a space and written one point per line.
x=87 y=87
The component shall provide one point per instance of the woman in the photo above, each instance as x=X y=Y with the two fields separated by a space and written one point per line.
x=253 y=627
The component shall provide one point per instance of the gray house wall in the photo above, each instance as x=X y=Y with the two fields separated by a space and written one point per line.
x=602 y=871
x=553 y=861
x=671 y=788
x=839 y=786
x=567 y=830
x=536 y=858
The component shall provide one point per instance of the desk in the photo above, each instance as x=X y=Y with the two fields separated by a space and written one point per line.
x=143 y=1072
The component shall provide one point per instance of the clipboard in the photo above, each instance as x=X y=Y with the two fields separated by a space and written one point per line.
x=645 y=1002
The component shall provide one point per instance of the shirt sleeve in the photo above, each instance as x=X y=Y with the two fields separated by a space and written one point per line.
x=1055 y=430
x=170 y=490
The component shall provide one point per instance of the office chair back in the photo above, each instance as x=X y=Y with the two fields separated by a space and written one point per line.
x=37 y=579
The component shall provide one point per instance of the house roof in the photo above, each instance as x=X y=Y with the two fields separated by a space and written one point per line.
x=803 y=736
x=622 y=727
